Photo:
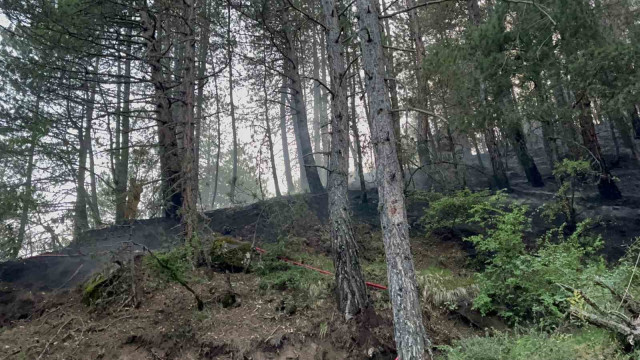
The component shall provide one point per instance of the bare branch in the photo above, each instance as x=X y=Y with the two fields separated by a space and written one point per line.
x=422 y=111
x=306 y=15
x=432 y=2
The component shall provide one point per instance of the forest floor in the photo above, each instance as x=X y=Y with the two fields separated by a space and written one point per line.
x=287 y=313
x=268 y=320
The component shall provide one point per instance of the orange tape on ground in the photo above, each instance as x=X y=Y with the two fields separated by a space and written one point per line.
x=325 y=272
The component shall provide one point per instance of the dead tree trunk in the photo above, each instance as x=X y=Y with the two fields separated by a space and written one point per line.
x=350 y=286
x=411 y=339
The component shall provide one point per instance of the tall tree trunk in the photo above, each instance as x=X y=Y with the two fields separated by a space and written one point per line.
x=519 y=143
x=304 y=144
x=219 y=143
x=28 y=187
x=234 y=148
x=499 y=178
x=635 y=121
x=392 y=84
x=170 y=167
x=283 y=135
x=422 y=96
x=606 y=186
x=317 y=102
x=356 y=139
x=272 y=158
x=203 y=50
x=122 y=145
x=513 y=129
x=188 y=174
x=614 y=137
x=84 y=138
x=95 y=210
x=350 y=286
x=324 y=117
x=499 y=175
x=411 y=339
x=302 y=178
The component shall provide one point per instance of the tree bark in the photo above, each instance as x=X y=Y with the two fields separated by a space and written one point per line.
x=203 y=50
x=411 y=339
x=234 y=147
x=295 y=86
x=350 y=287
x=356 y=139
x=317 y=102
x=606 y=186
x=122 y=145
x=392 y=85
x=283 y=135
x=188 y=213
x=219 y=143
x=519 y=143
x=170 y=162
x=272 y=158
x=84 y=139
x=324 y=117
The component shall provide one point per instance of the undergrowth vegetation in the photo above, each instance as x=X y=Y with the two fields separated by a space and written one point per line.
x=586 y=344
x=555 y=281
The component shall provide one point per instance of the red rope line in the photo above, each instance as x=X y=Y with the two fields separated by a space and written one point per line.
x=324 y=272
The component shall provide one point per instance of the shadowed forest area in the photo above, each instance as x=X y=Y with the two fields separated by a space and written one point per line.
x=331 y=179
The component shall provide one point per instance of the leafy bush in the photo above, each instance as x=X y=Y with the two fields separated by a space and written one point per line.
x=571 y=174
x=588 y=344
x=523 y=286
x=449 y=211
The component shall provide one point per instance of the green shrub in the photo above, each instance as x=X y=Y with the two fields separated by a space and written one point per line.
x=276 y=274
x=449 y=211
x=523 y=286
x=572 y=175
x=177 y=260
x=588 y=344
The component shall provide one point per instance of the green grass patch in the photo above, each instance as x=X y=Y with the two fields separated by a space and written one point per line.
x=586 y=344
